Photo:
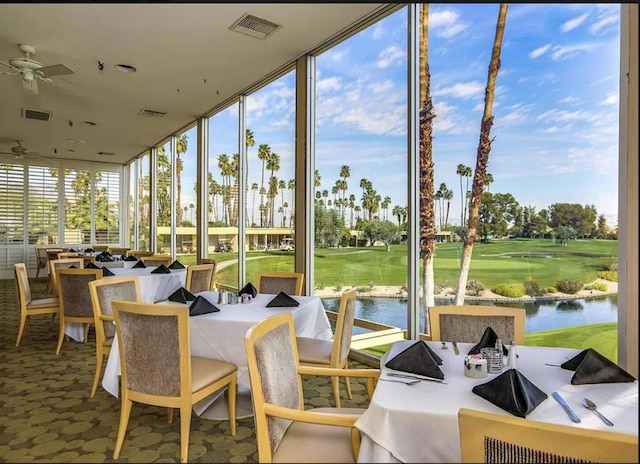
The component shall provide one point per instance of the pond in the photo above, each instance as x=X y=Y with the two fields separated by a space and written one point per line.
x=541 y=316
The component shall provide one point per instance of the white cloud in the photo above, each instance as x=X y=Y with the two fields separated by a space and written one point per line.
x=570 y=100
x=539 y=51
x=573 y=23
x=445 y=24
x=389 y=56
x=378 y=31
x=381 y=87
x=560 y=53
x=603 y=23
x=331 y=84
x=611 y=99
x=466 y=90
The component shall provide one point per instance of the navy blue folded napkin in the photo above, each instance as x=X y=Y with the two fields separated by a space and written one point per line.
x=161 y=269
x=89 y=250
x=488 y=340
x=592 y=367
x=513 y=392
x=282 y=300
x=131 y=258
x=248 y=289
x=419 y=359
x=106 y=272
x=202 y=306
x=91 y=265
x=182 y=295
x=139 y=264
x=176 y=265
x=71 y=250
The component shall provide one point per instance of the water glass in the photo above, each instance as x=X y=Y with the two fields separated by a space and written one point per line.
x=495 y=361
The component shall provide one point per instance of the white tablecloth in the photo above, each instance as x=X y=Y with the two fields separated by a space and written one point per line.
x=419 y=423
x=153 y=287
x=220 y=335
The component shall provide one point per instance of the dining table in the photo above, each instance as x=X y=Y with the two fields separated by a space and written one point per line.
x=418 y=422
x=220 y=335
x=154 y=287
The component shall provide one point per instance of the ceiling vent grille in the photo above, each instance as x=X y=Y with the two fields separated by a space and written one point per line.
x=152 y=114
x=35 y=114
x=255 y=26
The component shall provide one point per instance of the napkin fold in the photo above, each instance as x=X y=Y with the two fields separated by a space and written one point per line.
x=513 y=392
x=176 y=265
x=104 y=258
x=488 y=340
x=139 y=264
x=73 y=266
x=182 y=295
x=202 y=306
x=248 y=289
x=592 y=367
x=131 y=258
x=71 y=250
x=89 y=250
x=419 y=359
x=91 y=265
x=106 y=272
x=282 y=300
x=161 y=269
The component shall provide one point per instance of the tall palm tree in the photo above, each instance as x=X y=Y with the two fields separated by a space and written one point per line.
x=427 y=194
x=255 y=188
x=482 y=158
x=273 y=165
x=249 y=141
x=447 y=195
x=345 y=173
x=181 y=147
x=488 y=180
x=225 y=169
x=264 y=152
x=291 y=185
x=464 y=172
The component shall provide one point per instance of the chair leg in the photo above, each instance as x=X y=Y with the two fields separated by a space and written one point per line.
x=232 y=391
x=348 y=385
x=96 y=378
x=185 y=425
x=24 y=319
x=125 y=411
x=63 y=326
x=169 y=415
x=86 y=332
x=335 y=383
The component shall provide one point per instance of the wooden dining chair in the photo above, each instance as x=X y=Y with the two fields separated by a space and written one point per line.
x=57 y=264
x=156 y=260
x=139 y=253
x=466 y=324
x=200 y=277
x=75 y=300
x=29 y=306
x=103 y=292
x=118 y=251
x=272 y=282
x=335 y=353
x=157 y=367
x=495 y=438
x=285 y=431
x=41 y=259
x=99 y=248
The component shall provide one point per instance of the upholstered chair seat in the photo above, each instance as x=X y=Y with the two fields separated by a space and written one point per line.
x=200 y=277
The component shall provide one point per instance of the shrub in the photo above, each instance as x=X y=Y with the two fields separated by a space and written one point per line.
x=338 y=286
x=363 y=289
x=611 y=267
x=475 y=287
x=532 y=288
x=611 y=276
x=599 y=286
x=510 y=290
x=552 y=290
x=320 y=286
x=569 y=286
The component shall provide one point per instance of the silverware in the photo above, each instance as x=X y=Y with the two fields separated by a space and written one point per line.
x=587 y=403
x=552 y=365
x=455 y=348
x=444 y=345
x=406 y=382
x=563 y=403
x=408 y=376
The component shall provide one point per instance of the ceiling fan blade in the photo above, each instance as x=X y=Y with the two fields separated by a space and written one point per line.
x=16 y=70
x=55 y=70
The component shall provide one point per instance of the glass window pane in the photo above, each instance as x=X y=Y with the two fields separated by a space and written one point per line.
x=43 y=204
x=186 y=200
x=163 y=192
x=12 y=204
x=107 y=206
x=77 y=208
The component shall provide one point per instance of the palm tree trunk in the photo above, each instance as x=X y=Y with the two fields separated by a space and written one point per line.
x=427 y=193
x=482 y=159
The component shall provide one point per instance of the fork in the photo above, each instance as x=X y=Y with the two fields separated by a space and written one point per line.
x=406 y=382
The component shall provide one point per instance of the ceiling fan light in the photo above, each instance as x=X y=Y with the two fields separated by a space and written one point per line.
x=29 y=84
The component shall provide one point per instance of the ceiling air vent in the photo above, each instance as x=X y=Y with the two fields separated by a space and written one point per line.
x=152 y=114
x=255 y=26
x=35 y=114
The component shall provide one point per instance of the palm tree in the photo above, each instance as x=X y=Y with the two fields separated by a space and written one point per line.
x=191 y=206
x=225 y=169
x=264 y=152
x=447 y=195
x=273 y=165
x=488 y=180
x=181 y=147
x=352 y=204
x=345 y=173
x=249 y=141
x=291 y=185
x=254 y=187
x=482 y=158
x=427 y=194
x=464 y=172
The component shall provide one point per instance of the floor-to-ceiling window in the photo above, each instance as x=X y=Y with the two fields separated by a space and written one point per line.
x=185 y=202
x=164 y=197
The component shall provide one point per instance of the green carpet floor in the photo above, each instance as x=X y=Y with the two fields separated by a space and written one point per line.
x=46 y=414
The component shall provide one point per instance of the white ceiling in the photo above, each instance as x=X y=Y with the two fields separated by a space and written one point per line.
x=173 y=46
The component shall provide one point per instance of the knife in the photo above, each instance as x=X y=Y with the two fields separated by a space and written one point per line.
x=563 y=403
x=407 y=376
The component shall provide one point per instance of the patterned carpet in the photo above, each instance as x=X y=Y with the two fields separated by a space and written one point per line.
x=46 y=414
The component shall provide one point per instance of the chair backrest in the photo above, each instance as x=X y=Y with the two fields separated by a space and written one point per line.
x=200 y=277
x=156 y=260
x=466 y=324
x=272 y=359
x=272 y=282
x=52 y=253
x=99 y=247
x=208 y=261
x=64 y=263
x=23 y=289
x=155 y=354
x=117 y=250
x=67 y=254
x=496 y=438
x=41 y=256
x=73 y=291
x=344 y=328
x=139 y=253
x=103 y=292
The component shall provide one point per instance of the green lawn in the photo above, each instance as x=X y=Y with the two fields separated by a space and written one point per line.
x=601 y=337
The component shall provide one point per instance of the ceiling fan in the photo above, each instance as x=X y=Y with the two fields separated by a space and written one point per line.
x=32 y=70
x=20 y=151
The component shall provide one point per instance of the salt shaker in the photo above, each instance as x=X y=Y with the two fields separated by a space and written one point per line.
x=511 y=360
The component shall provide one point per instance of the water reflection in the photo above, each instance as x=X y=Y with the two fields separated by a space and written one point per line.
x=569 y=305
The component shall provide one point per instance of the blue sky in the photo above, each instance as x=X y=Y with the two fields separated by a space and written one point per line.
x=555 y=111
